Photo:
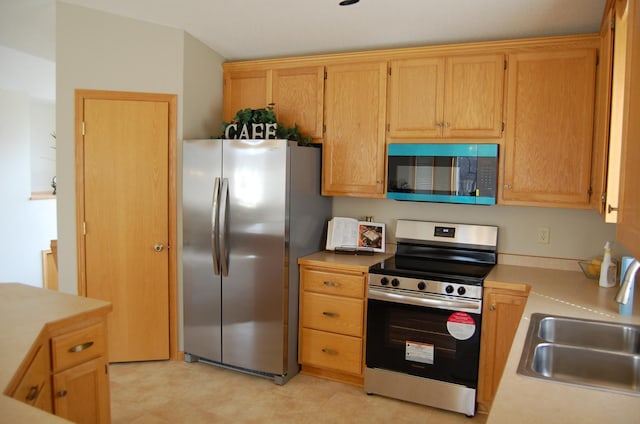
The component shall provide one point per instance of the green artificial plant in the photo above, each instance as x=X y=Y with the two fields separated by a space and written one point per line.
x=266 y=115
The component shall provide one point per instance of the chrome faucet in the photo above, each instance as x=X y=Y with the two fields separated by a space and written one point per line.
x=627 y=282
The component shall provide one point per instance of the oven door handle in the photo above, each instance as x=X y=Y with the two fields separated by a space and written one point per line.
x=424 y=300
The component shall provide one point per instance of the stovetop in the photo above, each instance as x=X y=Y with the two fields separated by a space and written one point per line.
x=428 y=269
x=439 y=252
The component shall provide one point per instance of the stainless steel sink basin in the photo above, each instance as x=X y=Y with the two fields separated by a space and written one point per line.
x=585 y=333
x=588 y=353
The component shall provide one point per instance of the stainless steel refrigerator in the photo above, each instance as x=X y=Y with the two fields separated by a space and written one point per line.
x=250 y=209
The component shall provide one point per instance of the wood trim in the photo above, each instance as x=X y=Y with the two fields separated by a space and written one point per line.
x=171 y=99
x=49 y=271
x=505 y=46
x=512 y=287
x=332 y=375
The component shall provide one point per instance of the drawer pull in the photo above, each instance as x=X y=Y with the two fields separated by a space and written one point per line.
x=329 y=351
x=62 y=393
x=331 y=284
x=331 y=314
x=34 y=391
x=80 y=347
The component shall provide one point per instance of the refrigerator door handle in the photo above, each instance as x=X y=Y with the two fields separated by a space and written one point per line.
x=224 y=226
x=215 y=224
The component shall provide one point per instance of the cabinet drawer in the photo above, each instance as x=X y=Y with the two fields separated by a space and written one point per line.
x=331 y=313
x=332 y=351
x=333 y=283
x=35 y=386
x=78 y=346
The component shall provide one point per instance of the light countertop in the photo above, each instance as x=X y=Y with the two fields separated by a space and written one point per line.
x=343 y=261
x=529 y=400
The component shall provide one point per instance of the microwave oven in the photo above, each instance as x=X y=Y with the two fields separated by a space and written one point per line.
x=445 y=173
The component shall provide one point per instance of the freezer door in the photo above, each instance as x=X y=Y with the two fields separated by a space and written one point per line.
x=201 y=176
x=253 y=292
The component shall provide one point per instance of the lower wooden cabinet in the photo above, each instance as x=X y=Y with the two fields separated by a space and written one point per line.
x=501 y=313
x=332 y=311
x=68 y=374
x=80 y=374
x=81 y=393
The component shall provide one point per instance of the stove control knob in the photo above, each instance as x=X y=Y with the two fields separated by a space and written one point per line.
x=449 y=289
x=395 y=282
x=461 y=291
x=384 y=281
x=422 y=285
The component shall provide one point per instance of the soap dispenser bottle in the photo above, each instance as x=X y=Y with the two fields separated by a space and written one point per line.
x=607 y=272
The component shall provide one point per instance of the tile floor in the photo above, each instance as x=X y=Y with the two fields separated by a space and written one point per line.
x=178 y=392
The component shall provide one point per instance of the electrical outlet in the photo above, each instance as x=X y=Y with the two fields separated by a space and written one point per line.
x=543 y=235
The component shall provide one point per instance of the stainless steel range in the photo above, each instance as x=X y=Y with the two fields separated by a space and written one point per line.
x=425 y=312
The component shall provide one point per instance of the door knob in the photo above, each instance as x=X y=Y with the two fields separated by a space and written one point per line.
x=158 y=247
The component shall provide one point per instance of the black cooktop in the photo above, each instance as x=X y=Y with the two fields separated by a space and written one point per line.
x=430 y=269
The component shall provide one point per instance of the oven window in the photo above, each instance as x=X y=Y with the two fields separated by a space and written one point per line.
x=417 y=340
x=445 y=175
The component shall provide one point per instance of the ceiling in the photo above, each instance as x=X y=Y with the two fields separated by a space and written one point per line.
x=254 y=29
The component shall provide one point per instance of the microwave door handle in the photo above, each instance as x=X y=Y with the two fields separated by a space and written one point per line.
x=215 y=227
x=224 y=227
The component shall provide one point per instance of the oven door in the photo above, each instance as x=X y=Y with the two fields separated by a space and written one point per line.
x=440 y=344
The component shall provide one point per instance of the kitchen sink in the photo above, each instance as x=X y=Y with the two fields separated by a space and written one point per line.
x=587 y=353
x=587 y=333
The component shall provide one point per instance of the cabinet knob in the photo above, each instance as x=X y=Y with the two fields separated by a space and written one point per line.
x=507 y=186
x=492 y=308
x=62 y=393
x=158 y=247
x=611 y=209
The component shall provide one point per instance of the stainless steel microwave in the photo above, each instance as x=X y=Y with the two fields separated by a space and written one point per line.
x=445 y=173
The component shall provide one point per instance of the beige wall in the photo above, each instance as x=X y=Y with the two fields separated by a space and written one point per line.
x=574 y=233
x=101 y=51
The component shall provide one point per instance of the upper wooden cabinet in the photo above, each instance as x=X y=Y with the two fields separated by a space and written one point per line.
x=550 y=106
x=453 y=97
x=354 y=144
x=297 y=94
x=628 y=228
x=244 y=89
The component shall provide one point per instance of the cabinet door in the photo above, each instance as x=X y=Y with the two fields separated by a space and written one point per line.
x=473 y=96
x=501 y=315
x=550 y=104
x=628 y=228
x=81 y=393
x=602 y=114
x=416 y=96
x=35 y=386
x=298 y=94
x=244 y=90
x=354 y=145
